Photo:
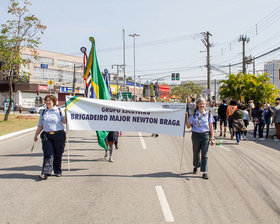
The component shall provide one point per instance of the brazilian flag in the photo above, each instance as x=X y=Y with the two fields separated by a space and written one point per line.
x=98 y=84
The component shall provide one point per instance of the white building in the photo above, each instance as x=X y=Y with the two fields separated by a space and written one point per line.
x=272 y=68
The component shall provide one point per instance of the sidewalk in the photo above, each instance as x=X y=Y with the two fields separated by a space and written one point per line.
x=14 y=134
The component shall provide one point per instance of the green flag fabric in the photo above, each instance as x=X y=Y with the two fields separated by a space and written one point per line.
x=100 y=89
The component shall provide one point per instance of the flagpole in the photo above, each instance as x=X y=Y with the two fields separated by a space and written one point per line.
x=184 y=134
x=180 y=172
x=68 y=152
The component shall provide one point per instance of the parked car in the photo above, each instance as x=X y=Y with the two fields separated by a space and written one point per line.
x=37 y=110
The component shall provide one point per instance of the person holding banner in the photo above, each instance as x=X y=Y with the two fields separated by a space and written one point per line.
x=201 y=122
x=53 y=137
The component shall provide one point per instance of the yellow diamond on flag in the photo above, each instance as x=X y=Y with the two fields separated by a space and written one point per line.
x=50 y=82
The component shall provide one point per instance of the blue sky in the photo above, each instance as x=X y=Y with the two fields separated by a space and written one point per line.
x=165 y=26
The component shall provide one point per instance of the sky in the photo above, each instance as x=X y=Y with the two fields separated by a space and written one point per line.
x=170 y=33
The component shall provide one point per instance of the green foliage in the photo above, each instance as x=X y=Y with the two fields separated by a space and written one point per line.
x=252 y=87
x=21 y=31
x=183 y=91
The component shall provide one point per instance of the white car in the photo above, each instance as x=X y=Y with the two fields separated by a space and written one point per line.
x=37 y=110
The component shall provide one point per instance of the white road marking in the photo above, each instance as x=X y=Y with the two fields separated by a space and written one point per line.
x=164 y=205
x=142 y=140
x=225 y=148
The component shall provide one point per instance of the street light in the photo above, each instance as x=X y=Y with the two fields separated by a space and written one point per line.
x=134 y=35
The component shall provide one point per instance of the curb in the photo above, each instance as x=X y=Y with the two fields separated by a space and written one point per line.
x=3 y=137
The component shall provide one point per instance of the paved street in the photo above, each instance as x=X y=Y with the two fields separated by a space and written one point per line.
x=243 y=186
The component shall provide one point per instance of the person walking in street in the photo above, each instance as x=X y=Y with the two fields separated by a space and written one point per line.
x=257 y=115
x=238 y=123
x=53 y=137
x=153 y=100
x=246 y=119
x=276 y=119
x=230 y=109
x=214 y=112
x=110 y=142
x=222 y=113
x=267 y=114
x=201 y=122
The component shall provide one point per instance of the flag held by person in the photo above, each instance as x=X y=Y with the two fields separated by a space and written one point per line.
x=98 y=86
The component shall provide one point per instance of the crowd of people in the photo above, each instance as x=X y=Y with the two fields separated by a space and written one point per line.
x=202 y=117
x=203 y=120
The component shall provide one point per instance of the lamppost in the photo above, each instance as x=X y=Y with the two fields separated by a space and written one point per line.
x=134 y=35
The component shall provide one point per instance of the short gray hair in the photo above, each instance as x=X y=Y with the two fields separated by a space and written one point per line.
x=200 y=99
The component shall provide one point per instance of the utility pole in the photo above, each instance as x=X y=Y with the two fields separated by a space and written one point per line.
x=207 y=44
x=244 y=40
x=134 y=35
x=229 y=69
x=254 y=66
x=124 y=56
x=118 y=66
x=74 y=80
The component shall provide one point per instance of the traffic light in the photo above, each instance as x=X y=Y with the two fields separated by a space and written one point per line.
x=177 y=76
x=173 y=76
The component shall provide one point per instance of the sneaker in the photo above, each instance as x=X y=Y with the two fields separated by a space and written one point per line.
x=261 y=139
x=276 y=140
x=58 y=174
x=254 y=139
x=43 y=176
x=111 y=159
x=244 y=138
x=237 y=143
x=205 y=176
x=195 y=170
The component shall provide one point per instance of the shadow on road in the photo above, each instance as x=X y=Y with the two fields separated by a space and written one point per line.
x=149 y=175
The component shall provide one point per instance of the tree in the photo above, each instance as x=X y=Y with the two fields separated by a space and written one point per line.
x=21 y=31
x=183 y=91
x=252 y=87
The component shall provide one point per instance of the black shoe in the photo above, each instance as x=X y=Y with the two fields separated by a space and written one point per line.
x=156 y=135
x=43 y=176
x=117 y=146
x=195 y=170
x=205 y=176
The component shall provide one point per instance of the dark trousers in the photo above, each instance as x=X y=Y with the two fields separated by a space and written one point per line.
x=53 y=148
x=260 y=127
x=200 y=146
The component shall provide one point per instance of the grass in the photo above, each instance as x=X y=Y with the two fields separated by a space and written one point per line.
x=17 y=123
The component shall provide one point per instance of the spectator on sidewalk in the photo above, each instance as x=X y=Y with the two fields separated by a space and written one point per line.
x=276 y=118
x=222 y=113
x=267 y=114
x=214 y=112
x=238 y=123
x=246 y=119
x=251 y=106
x=257 y=115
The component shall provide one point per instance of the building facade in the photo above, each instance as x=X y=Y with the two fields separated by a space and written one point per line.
x=272 y=68
x=49 y=67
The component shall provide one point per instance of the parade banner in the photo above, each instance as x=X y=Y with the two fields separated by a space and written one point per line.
x=103 y=115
